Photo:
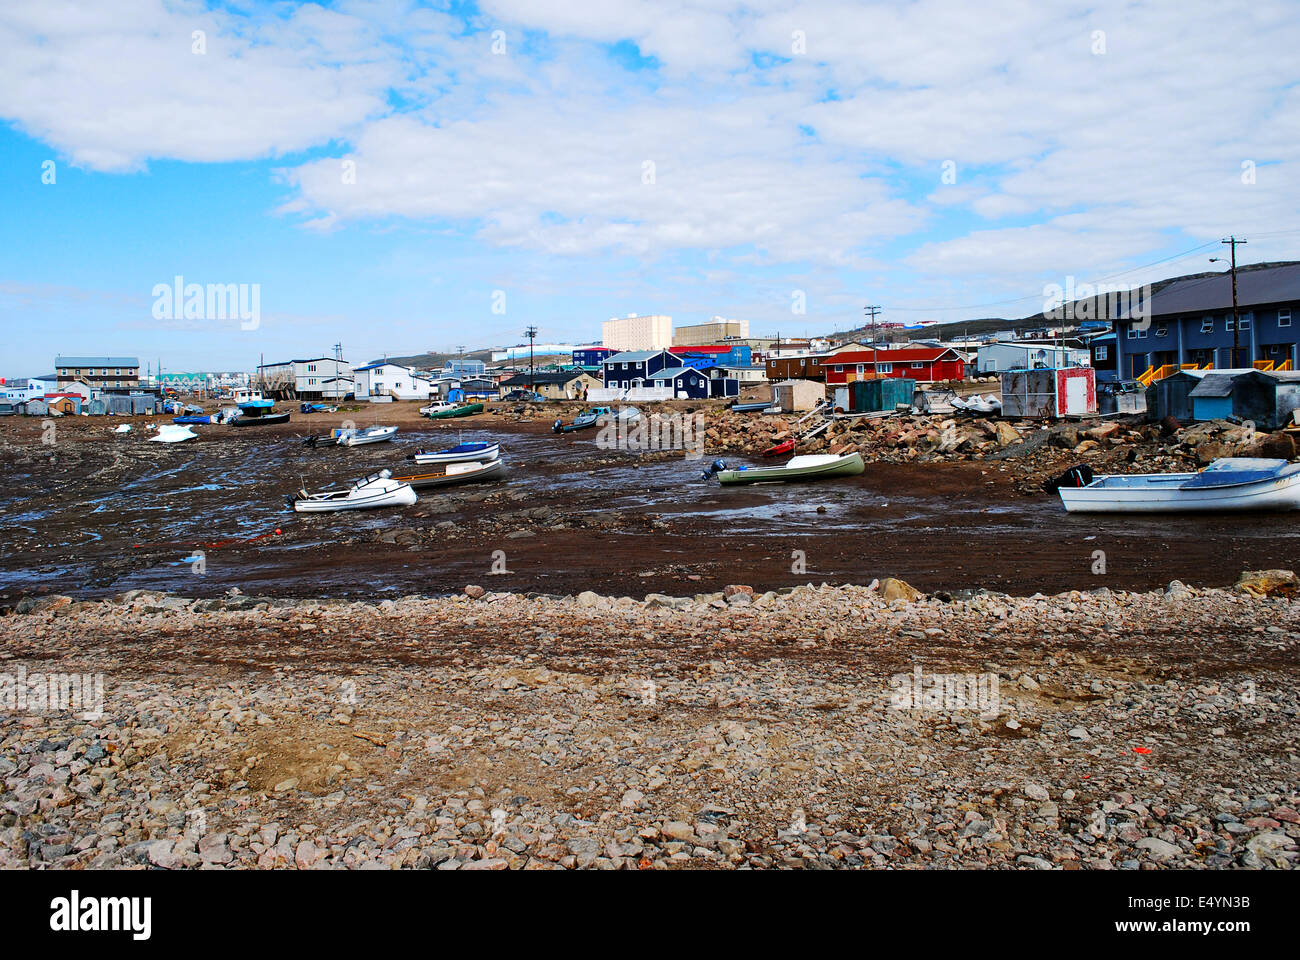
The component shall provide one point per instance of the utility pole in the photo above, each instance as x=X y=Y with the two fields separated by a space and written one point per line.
x=1236 y=319
x=871 y=312
x=531 y=333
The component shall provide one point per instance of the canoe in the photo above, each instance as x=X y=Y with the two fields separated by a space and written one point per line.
x=356 y=438
x=377 y=490
x=463 y=410
x=1227 y=484
x=450 y=474
x=808 y=467
x=785 y=446
x=265 y=419
x=477 y=451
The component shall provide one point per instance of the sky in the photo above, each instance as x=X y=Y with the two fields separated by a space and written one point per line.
x=399 y=177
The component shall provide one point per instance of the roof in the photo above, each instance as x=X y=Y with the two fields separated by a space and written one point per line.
x=1274 y=284
x=914 y=355
x=1213 y=385
x=377 y=364
x=522 y=379
x=97 y=361
x=708 y=349
x=633 y=356
x=672 y=373
x=1285 y=376
x=285 y=363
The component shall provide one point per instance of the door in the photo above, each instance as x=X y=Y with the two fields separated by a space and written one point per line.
x=1076 y=395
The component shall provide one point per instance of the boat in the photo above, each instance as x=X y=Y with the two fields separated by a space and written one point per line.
x=628 y=415
x=455 y=410
x=784 y=447
x=377 y=490
x=262 y=420
x=750 y=407
x=582 y=421
x=170 y=433
x=435 y=406
x=449 y=474
x=478 y=450
x=249 y=399
x=807 y=467
x=317 y=408
x=352 y=437
x=1229 y=483
x=188 y=419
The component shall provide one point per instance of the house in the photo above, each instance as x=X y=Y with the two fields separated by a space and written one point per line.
x=992 y=358
x=923 y=364
x=592 y=356
x=315 y=378
x=1101 y=357
x=98 y=371
x=740 y=354
x=20 y=389
x=753 y=373
x=561 y=385
x=394 y=380
x=1267 y=399
x=797 y=395
x=803 y=366
x=721 y=381
x=1190 y=322
x=687 y=383
x=634 y=368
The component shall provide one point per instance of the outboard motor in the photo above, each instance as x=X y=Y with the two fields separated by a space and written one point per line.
x=1079 y=475
x=558 y=425
x=713 y=469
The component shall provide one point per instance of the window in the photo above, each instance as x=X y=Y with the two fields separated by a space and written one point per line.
x=918 y=366
x=117 y=372
x=76 y=372
x=1162 y=330
x=1101 y=353
x=1227 y=324
x=1246 y=318
x=1284 y=318
x=839 y=368
x=1207 y=325
x=884 y=368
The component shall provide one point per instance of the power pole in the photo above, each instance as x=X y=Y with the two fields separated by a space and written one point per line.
x=1236 y=320
x=531 y=333
x=871 y=312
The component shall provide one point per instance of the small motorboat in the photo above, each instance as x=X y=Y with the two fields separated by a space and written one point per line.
x=476 y=451
x=352 y=437
x=251 y=400
x=782 y=448
x=170 y=433
x=582 y=421
x=261 y=420
x=452 y=410
x=377 y=490
x=451 y=474
x=317 y=408
x=808 y=467
x=1229 y=483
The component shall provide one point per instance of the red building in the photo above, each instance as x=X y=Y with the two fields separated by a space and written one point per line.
x=925 y=364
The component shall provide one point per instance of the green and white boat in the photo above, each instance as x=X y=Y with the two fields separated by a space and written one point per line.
x=807 y=467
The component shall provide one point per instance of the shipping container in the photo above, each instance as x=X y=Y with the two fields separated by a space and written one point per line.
x=866 y=396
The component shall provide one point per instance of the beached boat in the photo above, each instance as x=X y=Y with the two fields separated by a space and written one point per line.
x=377 y=490
x=317 y=408
x=807 y=467
x=595 y=416
x=478 y=450
x=450 y=474
x=353 y=437
x=263 y=420
x=784 y=447
x=192 y=419
x=252 y=400
x=170 y=433
x=455 y=410
x=1230 y=483
x=750 y=407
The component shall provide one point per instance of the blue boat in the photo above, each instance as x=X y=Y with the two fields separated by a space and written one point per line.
x=479 y=451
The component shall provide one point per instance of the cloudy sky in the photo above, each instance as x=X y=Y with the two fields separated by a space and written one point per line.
x=401 y=176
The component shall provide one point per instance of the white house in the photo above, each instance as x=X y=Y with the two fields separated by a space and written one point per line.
x=392 y=379
x=1030 y=355
x=318 y=378
x=20 y=389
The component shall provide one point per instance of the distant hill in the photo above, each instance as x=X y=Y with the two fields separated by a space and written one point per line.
x=434 y=361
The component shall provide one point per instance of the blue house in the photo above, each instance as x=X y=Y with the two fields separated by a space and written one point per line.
x=1190 y=321
x=687 y=383
x=634 y=368
x=591 y=356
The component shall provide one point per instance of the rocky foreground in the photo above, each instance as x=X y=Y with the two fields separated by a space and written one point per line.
x=492 y=731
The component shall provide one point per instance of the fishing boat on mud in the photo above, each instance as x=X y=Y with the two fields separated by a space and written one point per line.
x=353 y=437
x=439 y=412
x=1227 y=484
x=377 y=490
x=259 y=420
x=596 y=416
x=807 y=467
x=450 y=474
x=252 y=401
x=478 y=450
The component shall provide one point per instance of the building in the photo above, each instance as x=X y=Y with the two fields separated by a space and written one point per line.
x=792 y=396
x=1212 y=397
x=1102 y=356
x=1190 y=322
x=715 y=331
x=560 y=385
x=750 y=374
x=923 y=364
x=722 y=382
x=992 y=358
x=687 y=383
x=794 y=366
x=522 y=351
x=634 y=368
x=98 y=372
x=1050 y=393
x=317 y=378
x=630 y=333
x=1267 y=399
x=591 y=356
x=738 y=354
x=394 y=380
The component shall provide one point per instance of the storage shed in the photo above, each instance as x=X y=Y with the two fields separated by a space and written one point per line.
x=798 y=395
x=1047 y=392
x=1212 y=397
x=866 y=396
x=1169 y=397
x=1269 y=399
x=36 y=408
x=1121 y=397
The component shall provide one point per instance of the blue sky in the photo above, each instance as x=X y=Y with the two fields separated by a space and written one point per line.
x=690 y=158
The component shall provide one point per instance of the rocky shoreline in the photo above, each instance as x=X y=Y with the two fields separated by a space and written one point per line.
x=722 y=730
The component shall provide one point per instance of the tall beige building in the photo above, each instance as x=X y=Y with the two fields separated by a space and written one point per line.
x=715 y=331
x=638 y=333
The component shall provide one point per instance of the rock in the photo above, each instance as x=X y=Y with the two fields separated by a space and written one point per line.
x=589 y=598
x=1080 y=733
x=1036 y=791
x=1271 y=446
x=1268 y=583
x=677 y=830
x=1006 y=433
x=1087 y=446
x=892 y=589
x=1160 y=849
x=731 y=589
x=474 y=591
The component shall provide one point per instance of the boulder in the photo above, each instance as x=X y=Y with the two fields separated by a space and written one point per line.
x=892 y=589
x=1006 y=433
x=474 y=591
x=1268 y=583
x=1272 y=446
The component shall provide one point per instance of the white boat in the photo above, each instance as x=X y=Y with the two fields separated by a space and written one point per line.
x=247 y=398
x=377 y=490
x=352 y=437
x=172 y=433
x=807 y=467
x=1230 y=483
x=479 y=451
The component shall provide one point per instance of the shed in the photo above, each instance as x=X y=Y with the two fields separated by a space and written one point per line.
x=1169 y=397
x=1270 y=399
x=883 y=394
x=68 y=406
x=1049 y=392
x=98 y=407
x=796 y=395
x=36 y=408
x=1212 y=397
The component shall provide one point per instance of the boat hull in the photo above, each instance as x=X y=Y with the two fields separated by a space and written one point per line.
x=491 y=470
x=847 y=466
x=263 y=421
x=1162 y=495
x=465 y=410
x=475 y=455
x=361 y=439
